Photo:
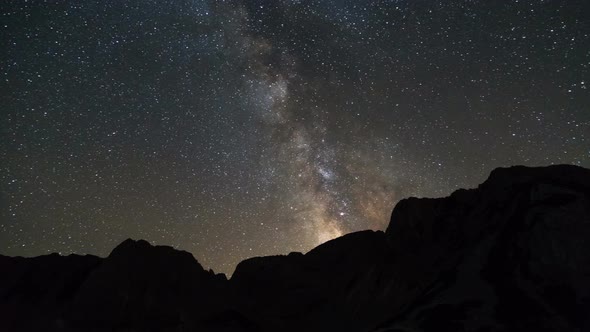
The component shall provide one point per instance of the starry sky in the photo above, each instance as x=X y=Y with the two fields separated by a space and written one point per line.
x=234 y=129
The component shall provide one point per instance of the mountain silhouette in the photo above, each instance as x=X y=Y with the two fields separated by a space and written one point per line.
x=509 y=255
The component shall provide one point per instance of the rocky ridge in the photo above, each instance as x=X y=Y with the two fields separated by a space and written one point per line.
x=510 y=255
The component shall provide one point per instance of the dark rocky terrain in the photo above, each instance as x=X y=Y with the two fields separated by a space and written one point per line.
x=510 y=255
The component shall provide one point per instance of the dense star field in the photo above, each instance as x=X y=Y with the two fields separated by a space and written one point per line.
x=233 y=129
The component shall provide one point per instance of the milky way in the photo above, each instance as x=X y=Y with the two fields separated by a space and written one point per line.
x=232 y=129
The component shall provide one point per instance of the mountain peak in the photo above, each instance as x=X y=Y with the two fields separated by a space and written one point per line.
x=569 y=175
x=131 y=244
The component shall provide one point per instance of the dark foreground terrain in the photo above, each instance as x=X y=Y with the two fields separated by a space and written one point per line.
x=511 y=255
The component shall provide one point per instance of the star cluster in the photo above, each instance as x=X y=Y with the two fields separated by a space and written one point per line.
x=239 y=128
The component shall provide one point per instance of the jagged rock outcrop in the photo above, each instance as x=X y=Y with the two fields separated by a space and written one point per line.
x=510 y=255
x=137 y=287
x=148 y=288
x=331 y=287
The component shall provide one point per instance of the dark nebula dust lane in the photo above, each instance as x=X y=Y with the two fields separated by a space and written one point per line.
x=233 y=129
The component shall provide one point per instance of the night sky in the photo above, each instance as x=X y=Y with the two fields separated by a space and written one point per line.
x=234 y=129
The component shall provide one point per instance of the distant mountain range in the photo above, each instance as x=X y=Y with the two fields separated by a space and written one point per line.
x=510 y=255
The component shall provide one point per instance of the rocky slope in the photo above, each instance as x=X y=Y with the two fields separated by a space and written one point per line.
x=510 y=255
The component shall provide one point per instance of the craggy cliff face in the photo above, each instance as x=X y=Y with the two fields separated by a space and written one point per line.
x=508 y=255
